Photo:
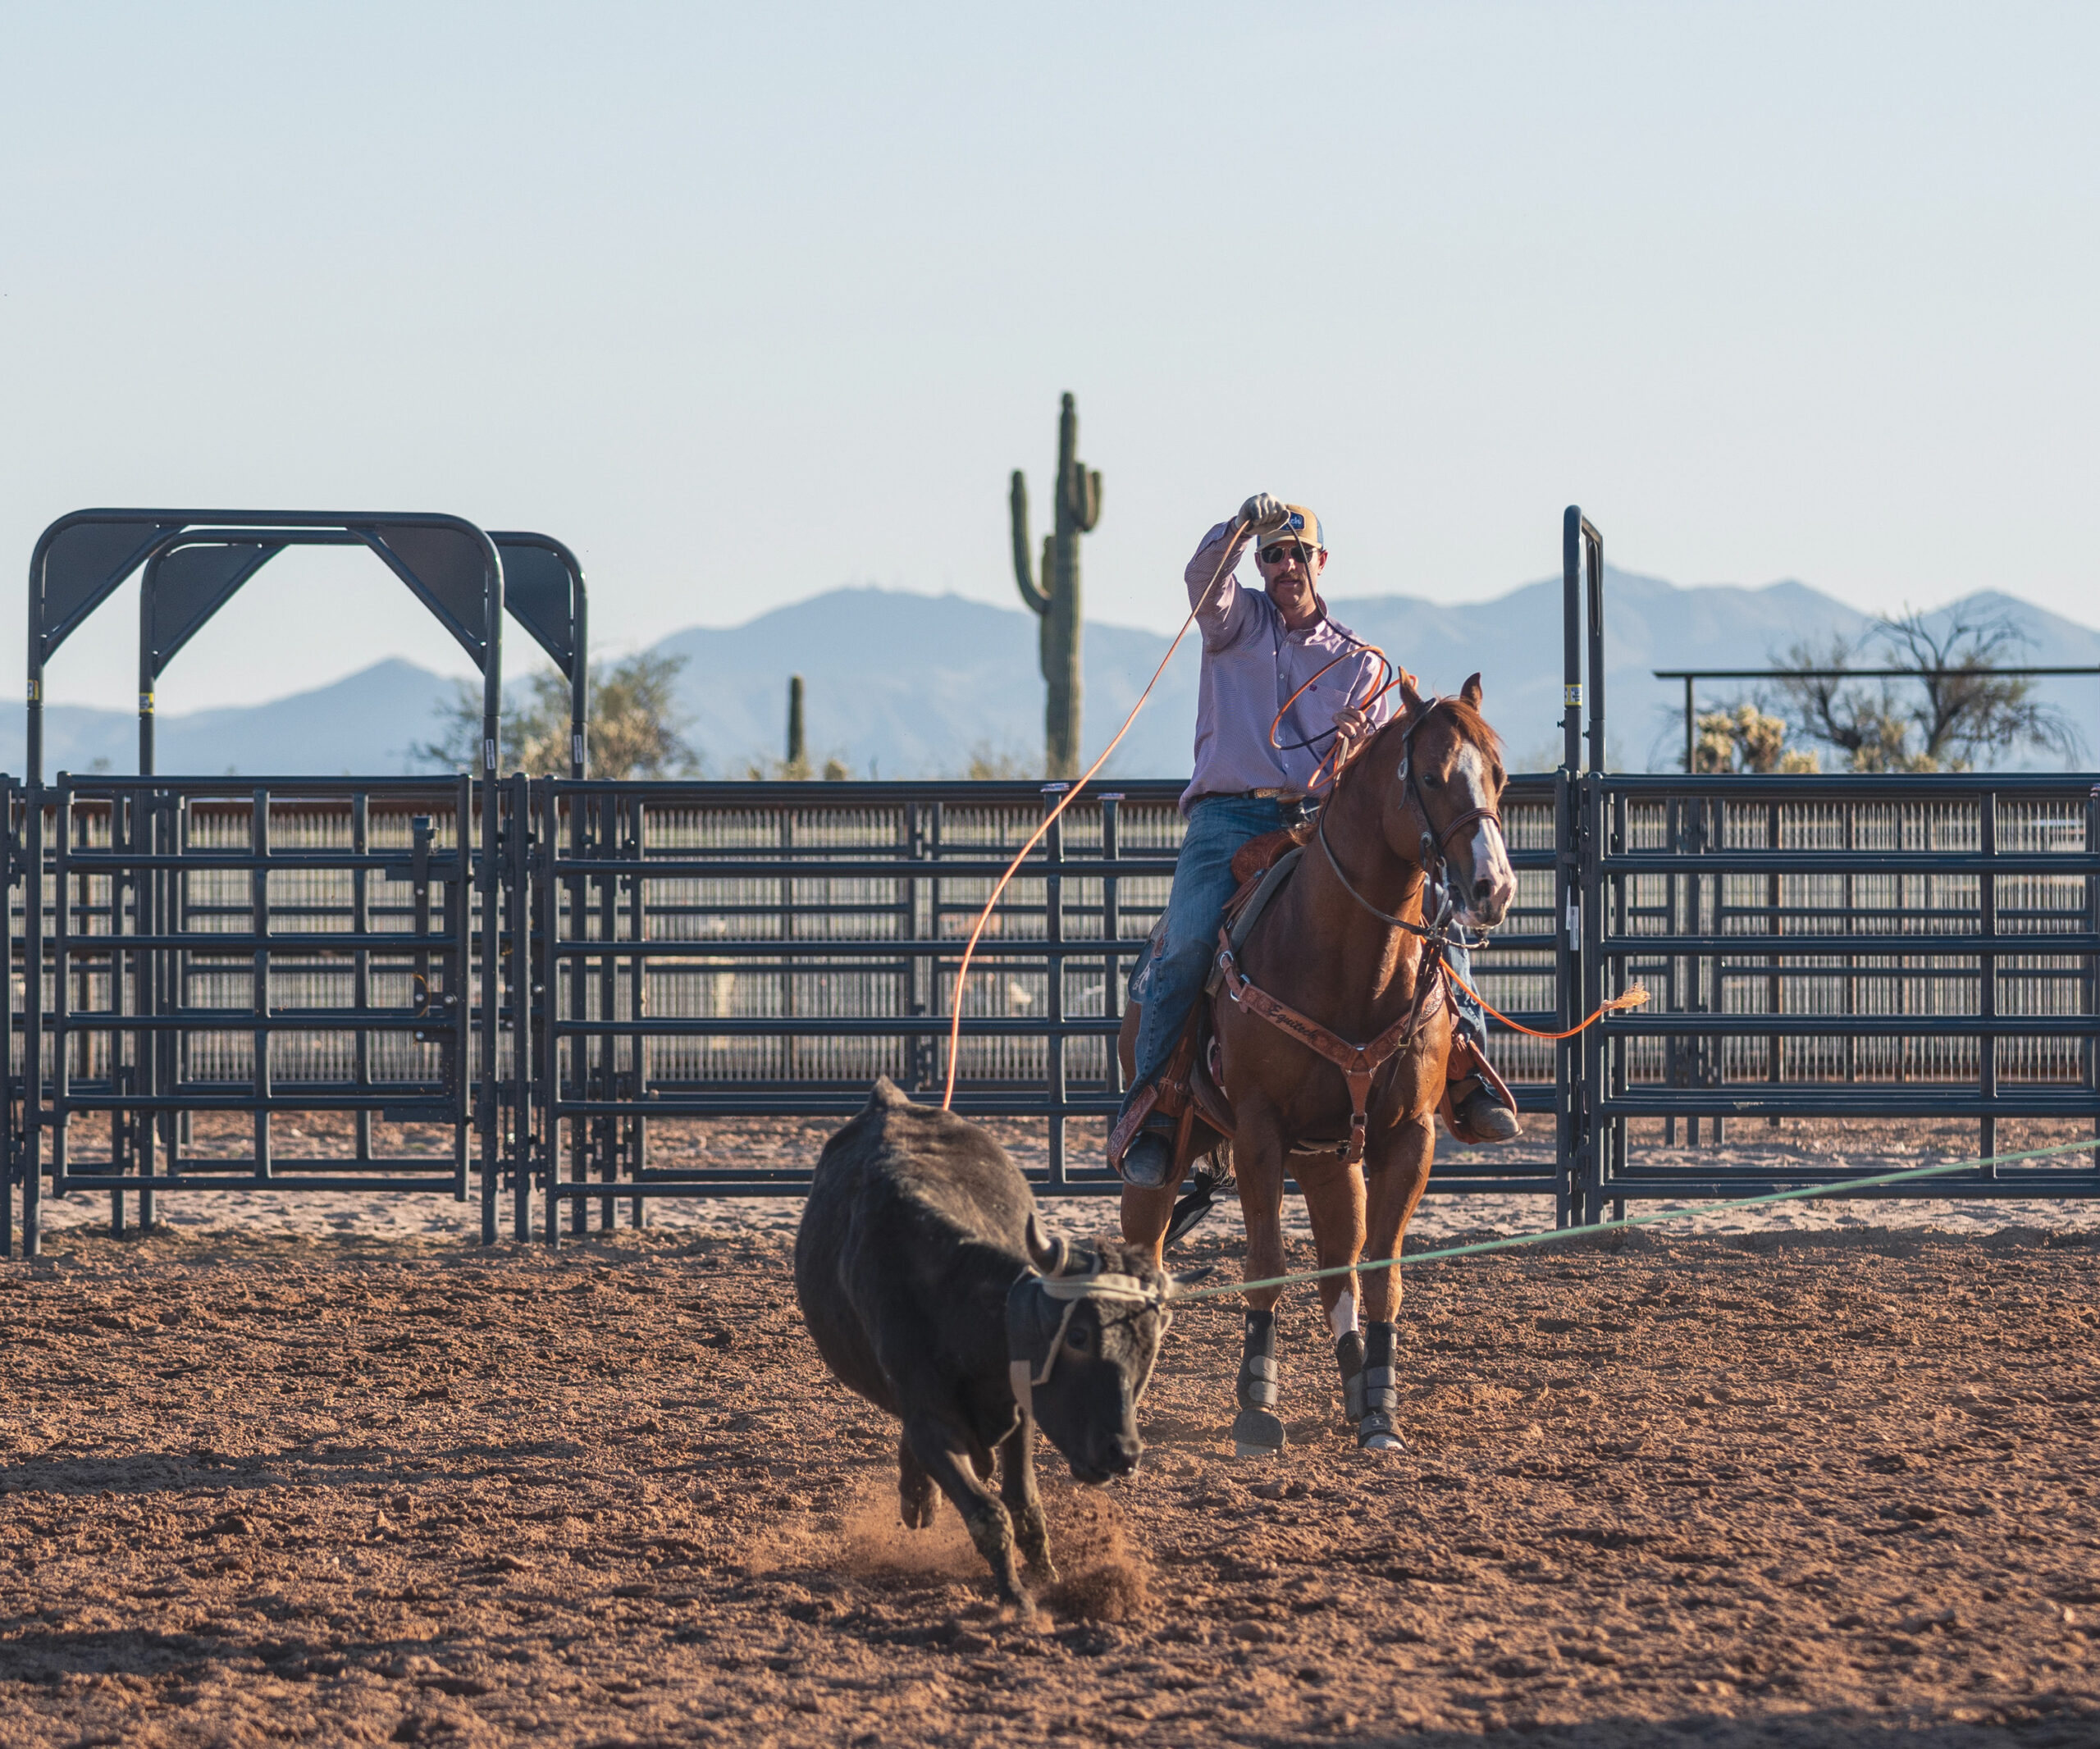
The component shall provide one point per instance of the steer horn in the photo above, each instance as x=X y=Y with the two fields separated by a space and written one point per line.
x=1049 y=1255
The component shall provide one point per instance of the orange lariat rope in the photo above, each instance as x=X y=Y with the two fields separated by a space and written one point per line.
x=1634 y=997
x=1035 y=838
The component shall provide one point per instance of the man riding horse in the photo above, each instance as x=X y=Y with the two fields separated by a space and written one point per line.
x=1263 y=656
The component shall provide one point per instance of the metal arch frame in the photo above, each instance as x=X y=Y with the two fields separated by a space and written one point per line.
x=566 y=637
x=1691 y=676
x=159 y=533
x=562 y=634
x=268 y=533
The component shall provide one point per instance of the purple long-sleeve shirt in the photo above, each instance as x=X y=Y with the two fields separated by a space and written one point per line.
x=1251 y=664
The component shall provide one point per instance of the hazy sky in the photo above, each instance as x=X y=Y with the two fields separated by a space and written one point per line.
x=748 y=302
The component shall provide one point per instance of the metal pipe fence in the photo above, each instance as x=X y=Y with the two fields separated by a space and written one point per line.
x=557 y=1015
x=215 y=960
x=1912 y=947
x=712 y=950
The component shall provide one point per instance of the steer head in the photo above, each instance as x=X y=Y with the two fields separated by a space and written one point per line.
x=1082 y=1330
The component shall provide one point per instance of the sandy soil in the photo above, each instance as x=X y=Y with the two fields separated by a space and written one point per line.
x=1781 y=1489
x=1858 y=1147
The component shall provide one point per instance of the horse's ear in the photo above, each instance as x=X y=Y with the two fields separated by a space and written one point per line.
x=1410 y=699
x=1470 y=692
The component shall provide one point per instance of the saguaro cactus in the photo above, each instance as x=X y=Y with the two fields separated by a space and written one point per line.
x=1056 y=601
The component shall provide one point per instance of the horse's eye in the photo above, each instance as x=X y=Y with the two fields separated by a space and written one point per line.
x=1434 y=779
x=1078 y=1339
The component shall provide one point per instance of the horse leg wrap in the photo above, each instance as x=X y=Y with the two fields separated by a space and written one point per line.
x=1379 y=1384
x=1256 y=1431
x=1258 y=1388
x=1349 y=1356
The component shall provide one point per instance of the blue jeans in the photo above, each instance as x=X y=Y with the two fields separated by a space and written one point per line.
x=1218 y=825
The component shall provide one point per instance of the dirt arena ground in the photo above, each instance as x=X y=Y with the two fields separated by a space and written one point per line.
x=1793 y=1488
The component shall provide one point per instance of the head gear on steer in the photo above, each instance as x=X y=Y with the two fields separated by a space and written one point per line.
x=1081 y=1350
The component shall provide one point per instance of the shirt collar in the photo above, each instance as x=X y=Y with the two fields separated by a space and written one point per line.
x=1311 y=626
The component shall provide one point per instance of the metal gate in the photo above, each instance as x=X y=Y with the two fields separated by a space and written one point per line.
x=1885 y=947
x=1832 y=947
x=217 y=959
x=712 y=951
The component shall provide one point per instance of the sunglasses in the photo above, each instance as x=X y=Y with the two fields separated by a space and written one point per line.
x=1276 y=554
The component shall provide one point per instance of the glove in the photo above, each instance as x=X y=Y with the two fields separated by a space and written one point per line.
x=1262 y=511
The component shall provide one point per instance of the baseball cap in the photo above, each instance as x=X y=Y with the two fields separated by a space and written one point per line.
x=1298 y=525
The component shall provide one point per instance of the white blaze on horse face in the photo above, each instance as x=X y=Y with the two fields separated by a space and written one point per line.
x=1487 y=888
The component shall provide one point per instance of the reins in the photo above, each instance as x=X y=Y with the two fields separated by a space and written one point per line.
x=1436 y=844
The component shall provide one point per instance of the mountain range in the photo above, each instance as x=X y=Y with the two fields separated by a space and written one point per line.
x=900 y=685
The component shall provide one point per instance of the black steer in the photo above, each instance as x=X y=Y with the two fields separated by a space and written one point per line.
x=925 y=1278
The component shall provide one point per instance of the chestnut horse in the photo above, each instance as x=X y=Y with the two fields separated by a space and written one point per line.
x=1339 y=954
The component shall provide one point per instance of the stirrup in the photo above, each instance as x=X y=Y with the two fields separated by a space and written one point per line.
x=1201 y=1197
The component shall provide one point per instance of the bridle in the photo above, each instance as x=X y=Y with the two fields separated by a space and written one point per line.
x=1436 y=844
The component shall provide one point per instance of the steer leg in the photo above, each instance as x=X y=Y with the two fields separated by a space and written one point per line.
x=945 y=1453
x=915 y=1487
x=1024 y=1505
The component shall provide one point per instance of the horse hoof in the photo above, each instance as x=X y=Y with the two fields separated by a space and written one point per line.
x=1256 y=1433
x=1375 y=1433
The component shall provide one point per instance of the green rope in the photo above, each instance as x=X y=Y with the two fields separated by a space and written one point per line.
x=1904 y=1176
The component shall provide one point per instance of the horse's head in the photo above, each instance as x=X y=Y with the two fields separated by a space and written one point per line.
x=1446 y=787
